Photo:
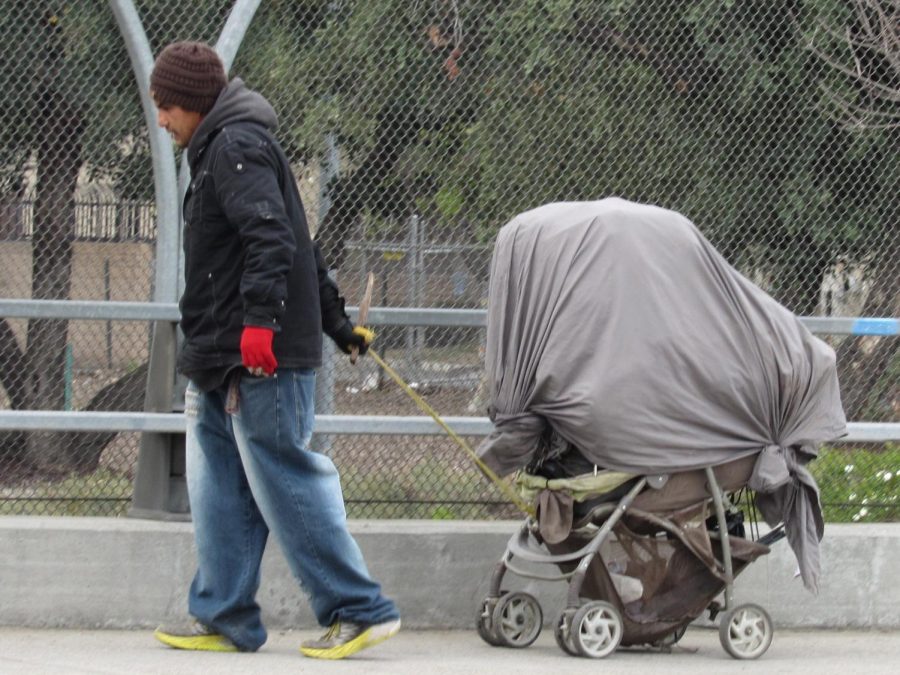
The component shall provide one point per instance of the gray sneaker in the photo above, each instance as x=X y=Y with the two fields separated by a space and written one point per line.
x=344 y=638
x=192 y=634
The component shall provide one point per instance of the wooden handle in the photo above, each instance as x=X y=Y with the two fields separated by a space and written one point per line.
x=363 y=313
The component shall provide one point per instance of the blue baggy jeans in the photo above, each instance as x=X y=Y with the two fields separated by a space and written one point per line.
x=250 y=472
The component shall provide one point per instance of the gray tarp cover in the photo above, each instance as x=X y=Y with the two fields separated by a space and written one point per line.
x=621 y=327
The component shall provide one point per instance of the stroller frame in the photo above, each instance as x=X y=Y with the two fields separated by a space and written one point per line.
x=594 y=629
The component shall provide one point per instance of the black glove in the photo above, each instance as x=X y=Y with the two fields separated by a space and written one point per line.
x=348 y=336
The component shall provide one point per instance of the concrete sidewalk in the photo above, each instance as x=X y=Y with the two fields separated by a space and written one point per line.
x=79 y=652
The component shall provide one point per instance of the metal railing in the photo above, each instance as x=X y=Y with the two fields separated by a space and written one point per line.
x=343 y=424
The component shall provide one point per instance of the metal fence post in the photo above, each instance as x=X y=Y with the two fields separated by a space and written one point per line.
x=160 y=488
x=415 y=292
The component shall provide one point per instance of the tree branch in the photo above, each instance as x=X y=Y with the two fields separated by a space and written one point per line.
x=878 y=34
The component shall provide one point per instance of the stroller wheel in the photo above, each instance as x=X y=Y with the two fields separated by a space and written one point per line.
x=517 y=619
x=746 y=631
x=596 y=629
x=484 y=621
x=563 y=632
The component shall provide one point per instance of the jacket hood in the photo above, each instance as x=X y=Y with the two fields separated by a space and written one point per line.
x=236 y=103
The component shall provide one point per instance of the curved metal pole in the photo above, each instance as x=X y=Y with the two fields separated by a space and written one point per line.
x=161 y=367
x=234 y=30
x=165 y=287
x=152 y=494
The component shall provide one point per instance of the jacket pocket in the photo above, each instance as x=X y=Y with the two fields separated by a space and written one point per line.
x=193 y=200
x=200 y=309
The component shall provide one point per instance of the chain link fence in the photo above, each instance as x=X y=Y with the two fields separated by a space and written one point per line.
x=416 y=129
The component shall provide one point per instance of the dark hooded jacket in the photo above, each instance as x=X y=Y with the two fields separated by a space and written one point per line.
x=249 y=258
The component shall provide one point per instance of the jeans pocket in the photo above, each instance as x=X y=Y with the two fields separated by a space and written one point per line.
x=305 y=404
x=259 y=400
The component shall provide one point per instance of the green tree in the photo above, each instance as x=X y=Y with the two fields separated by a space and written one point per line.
x=859 y=41
x=472 y=112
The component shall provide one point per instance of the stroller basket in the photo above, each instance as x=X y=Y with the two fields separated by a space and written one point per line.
x=640 y=561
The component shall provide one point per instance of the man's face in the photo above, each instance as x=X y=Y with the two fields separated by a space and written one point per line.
x=180 y=123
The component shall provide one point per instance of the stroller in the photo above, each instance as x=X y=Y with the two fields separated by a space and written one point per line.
x=642 y=558
x=642 y=389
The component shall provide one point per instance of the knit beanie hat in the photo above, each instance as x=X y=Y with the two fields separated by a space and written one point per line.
x=188 y=74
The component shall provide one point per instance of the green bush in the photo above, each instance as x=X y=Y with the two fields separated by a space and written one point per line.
x=859 y=485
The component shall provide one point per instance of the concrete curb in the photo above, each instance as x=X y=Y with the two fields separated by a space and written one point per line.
x=124 y=573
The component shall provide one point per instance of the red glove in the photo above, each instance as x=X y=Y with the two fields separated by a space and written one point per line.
x=256 y=349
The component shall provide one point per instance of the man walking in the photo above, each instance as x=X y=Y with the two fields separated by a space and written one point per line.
x=257 y=299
